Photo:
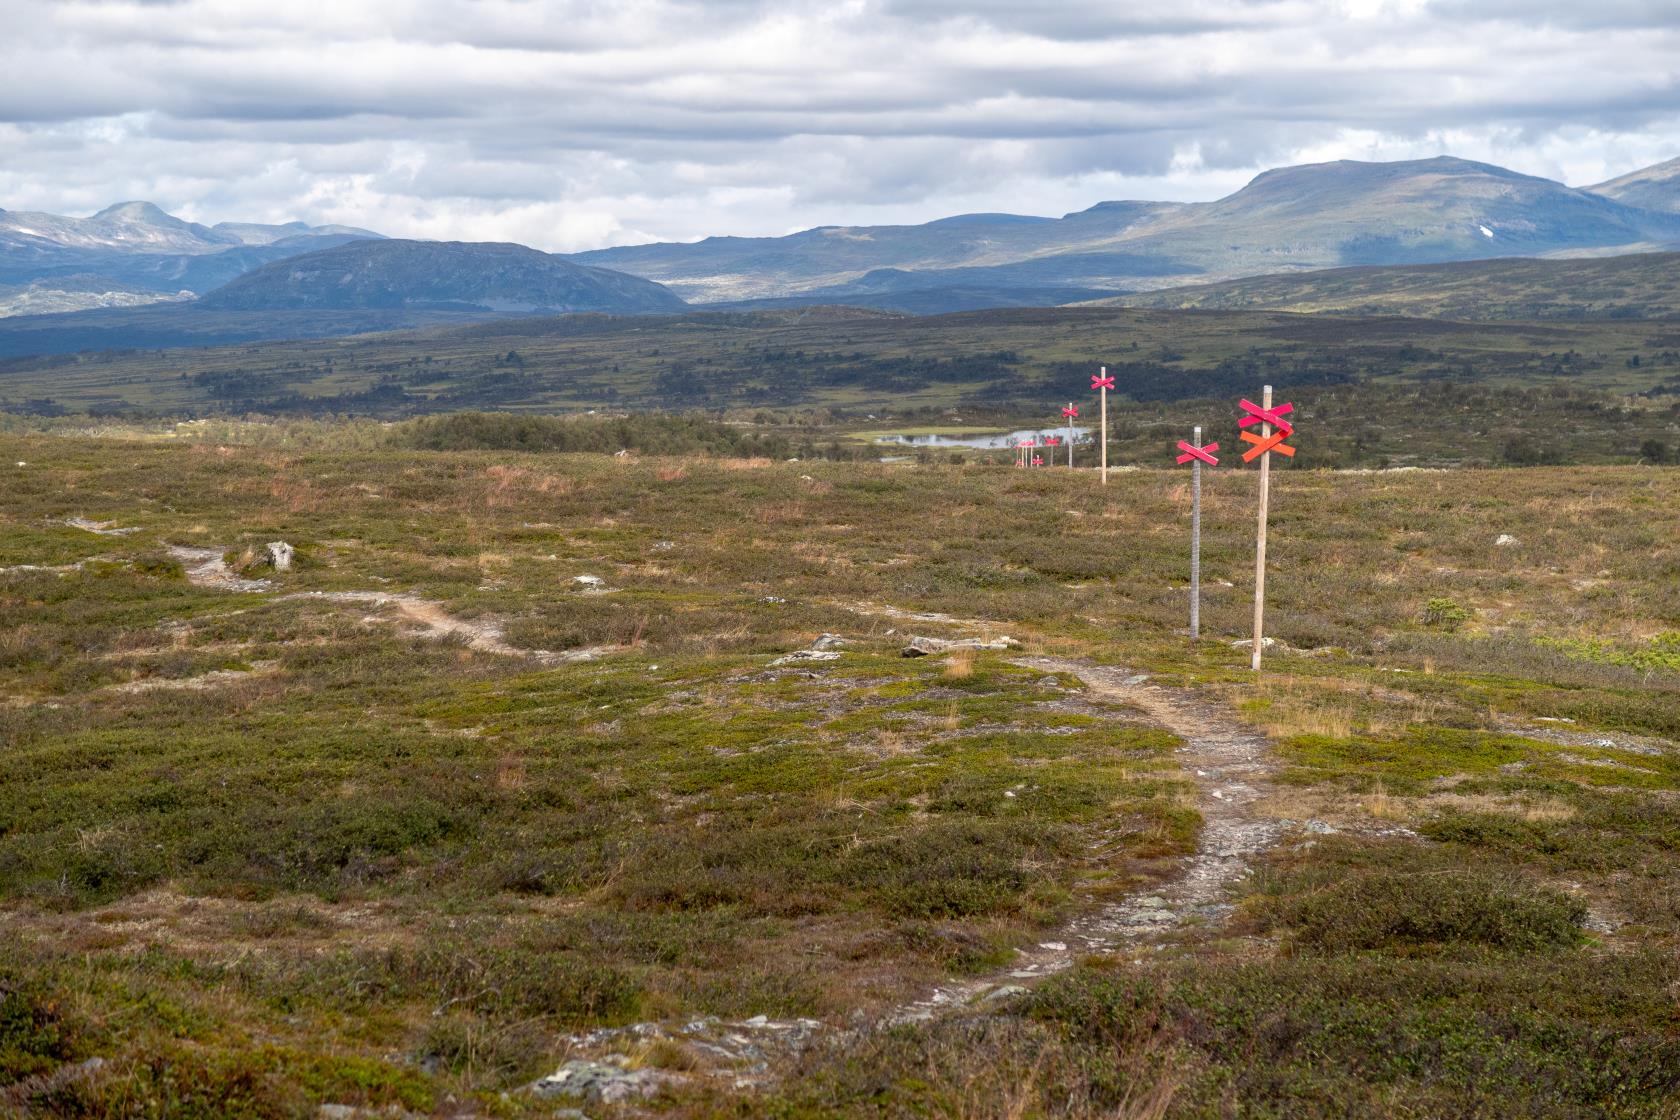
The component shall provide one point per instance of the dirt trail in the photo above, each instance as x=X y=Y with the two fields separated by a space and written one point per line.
x=1231 y=767
x=205 y=567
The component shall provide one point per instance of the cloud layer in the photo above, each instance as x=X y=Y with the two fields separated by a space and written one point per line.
x=572 y=124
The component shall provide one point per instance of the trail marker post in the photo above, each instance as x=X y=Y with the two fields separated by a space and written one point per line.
x=1265 y=443
x=1195 y=454
x=1102 y=382
x=1071 y=412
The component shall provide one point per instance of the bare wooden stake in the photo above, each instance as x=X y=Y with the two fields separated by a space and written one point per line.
x=1260 y=540
x=1070 y=435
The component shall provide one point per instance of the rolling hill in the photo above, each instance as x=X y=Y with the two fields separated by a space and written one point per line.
x=1654 y=188
x=1639 y=286
x=1291 y=219
x=437 y=275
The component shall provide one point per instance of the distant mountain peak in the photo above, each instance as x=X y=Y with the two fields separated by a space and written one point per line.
x=148 y=213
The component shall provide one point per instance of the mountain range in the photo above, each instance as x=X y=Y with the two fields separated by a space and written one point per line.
x=134 y=253
x=1286 y=220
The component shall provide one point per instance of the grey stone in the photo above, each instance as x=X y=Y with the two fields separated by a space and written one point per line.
x=1505 y=540
x=1008 y=991
x=828 y=641
x=597 y=1082
x=922 y=647
x=279 y=555
x=1320 y=828
x=807 y=655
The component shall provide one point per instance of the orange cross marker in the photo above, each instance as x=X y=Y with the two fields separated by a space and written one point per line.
x=1263 y=444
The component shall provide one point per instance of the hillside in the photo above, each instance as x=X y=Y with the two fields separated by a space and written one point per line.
x=1290 y=219
x=1654 y=188
x=437 y=275
x=1639 y=286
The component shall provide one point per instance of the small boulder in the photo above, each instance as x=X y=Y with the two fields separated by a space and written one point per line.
x=589 y=583
x=596 y=1082
x=279 y=555
x=921 y=647
x=1505 y=540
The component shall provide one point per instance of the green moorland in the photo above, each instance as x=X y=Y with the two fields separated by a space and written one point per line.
x=842 y=358
x=340 y=835
x=1374 y=392
x=1638 y=286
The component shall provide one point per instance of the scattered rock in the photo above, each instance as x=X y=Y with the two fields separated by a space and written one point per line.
x=828 y=641
x=807 y=655
x=280 y=555
x=103 y=528
x=1007 y=991
x=1248 y=643
x=922 y=647
x=597 y=1082
x=664 y=546
x=1505 y=540
x=1153 y=902
x=772 y=599
x=1319 y=828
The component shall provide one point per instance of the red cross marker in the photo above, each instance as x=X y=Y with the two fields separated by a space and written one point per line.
x=1038 y=460
x=1273 y=416
x=1273 y=442
x=1053 y=441
x=1071 y=412
x=1102 y=381
x=1191 y=451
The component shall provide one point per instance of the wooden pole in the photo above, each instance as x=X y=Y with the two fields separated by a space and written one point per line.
x=1070 y=435
x=1105 y=429
x=1196 y=540
x=1260 y=540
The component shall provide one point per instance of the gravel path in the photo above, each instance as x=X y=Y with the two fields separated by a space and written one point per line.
x=1231 y=767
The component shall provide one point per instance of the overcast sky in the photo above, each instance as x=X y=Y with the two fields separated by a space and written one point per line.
x=573 y=124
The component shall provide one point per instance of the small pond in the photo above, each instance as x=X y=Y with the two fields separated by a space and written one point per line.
x=999 y=441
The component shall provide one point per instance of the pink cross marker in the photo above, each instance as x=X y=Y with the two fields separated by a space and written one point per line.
x=1191 y=451
x=1258 y=415
x=1102 y=381
x=1071 y=412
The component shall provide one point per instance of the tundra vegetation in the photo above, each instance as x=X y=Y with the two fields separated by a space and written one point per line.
x=393 y=827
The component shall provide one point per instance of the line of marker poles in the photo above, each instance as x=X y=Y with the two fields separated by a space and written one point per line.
x=1196 y=456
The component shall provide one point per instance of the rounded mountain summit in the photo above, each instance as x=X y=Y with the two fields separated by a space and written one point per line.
x=438 y=275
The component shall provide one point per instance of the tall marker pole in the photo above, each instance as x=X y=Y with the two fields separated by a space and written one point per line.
x=1071 y=413
x=1265 y=443
x=1260 y=538
x=1103 y=383
x=1196 y=540
x=1196 y=455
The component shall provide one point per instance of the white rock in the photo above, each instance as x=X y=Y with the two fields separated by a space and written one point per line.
x=1505 y=540
x=589 y=581
x=280 y=555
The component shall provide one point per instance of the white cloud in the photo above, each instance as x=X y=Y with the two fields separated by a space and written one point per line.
x=574 y=124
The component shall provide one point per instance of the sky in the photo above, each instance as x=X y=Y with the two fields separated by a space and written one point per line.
x=577 y=124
